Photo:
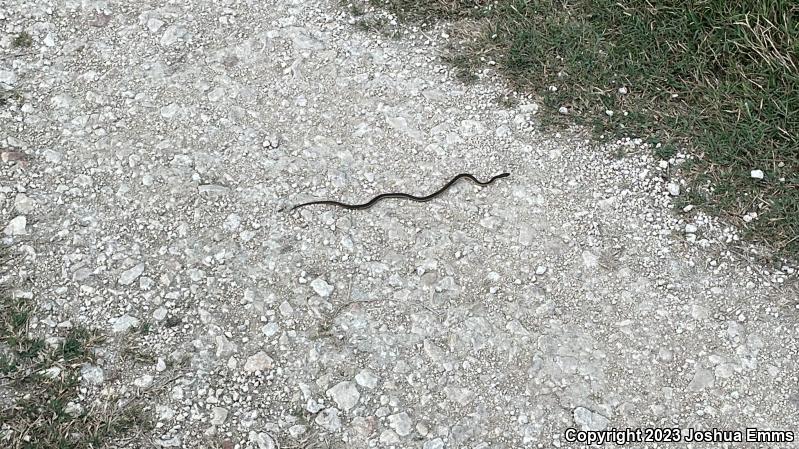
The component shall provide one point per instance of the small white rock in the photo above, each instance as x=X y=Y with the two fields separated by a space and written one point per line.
x=589 y=420
x=16 y=226
x=563 y=110
x=270 y=329
x=623 y=90
x=285 y=309
x=401 y=423
x=232 y=223
x=177 y=393
x=160 y=314
x=93 y=375
x=124 y=323
x=23 y=204
x=144 y=381
x=366 y=379
x=673 y=188
x=52 y=373
x=258 y=362
x=321 y=287
x=297 y=430
x=8 y=78
x=169 y=111
x=757 y=174
x=218 y=416
x=128 y=276
x=73 y=409
x=154 y=25
x=435 y=443
x=345 y=394
x=262 y=440
x=328 y=419
x=52 y=156
x=690 y=228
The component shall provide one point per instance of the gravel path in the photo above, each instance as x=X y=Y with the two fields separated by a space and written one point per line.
x=141 y=181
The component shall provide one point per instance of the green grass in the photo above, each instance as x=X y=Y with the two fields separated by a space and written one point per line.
x=718 y=78
x=23 y=40
x=37 y=410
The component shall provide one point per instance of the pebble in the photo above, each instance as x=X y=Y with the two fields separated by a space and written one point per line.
x=218 y=416
x=389 y=437
x=258 y=362
x=160 y=314
x=52 y=372
x=270 y=329
x=154 y=24
x=73 y=409
x=328 y=419
x=401 y=423
x=124 y=324
x=589 y=420
x=285 y=309
x=8 y=79
x=262 y=440
x=366 y=378
x=170 y=111
x=297 y=430
x=174 y=33
x=23 y=204
x=232 y=223
x=143 y=381
x=51 y=156
x=16 y=226
x=345 y=394
x=169 y=442
x=321 y=287
x=703 y=378
x=435 y=443
x=177 y=393
x=92 y=375
x=128 y=276
x=224 y=347
x=212 y=189
x=757 y=174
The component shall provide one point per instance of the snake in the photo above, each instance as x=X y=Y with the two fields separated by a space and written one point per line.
x=406 y=196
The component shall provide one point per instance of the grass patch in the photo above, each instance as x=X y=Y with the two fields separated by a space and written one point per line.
x=23 y=40
x=11 y=96
x=720 y=79
x=428 y=11
x=41 y=405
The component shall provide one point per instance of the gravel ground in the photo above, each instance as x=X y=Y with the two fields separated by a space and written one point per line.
x=155 y=142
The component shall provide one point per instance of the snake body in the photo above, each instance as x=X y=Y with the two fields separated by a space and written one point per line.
x=406 y=196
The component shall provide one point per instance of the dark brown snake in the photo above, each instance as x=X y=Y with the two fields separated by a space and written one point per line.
x=420 y=199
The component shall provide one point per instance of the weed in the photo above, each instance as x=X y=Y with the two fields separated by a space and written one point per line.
x=172 y=321
x=23 y=40
x=43 y=407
